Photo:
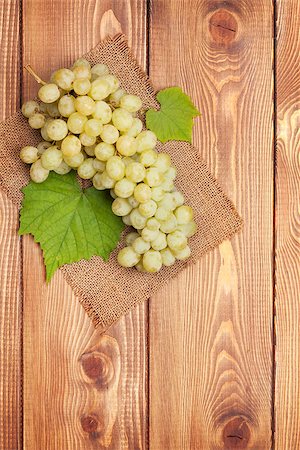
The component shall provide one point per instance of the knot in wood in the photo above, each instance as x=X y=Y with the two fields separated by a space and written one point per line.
x=99 y=367
x=89 y=423
x=236 y=434
x=223 y=27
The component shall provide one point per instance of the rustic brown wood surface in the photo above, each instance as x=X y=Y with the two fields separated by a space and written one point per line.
x=213 y=328
x=74 y=372
x=198 y=371
x=287 y=228
x=10 y=248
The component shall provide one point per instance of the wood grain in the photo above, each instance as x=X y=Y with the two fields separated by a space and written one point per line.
x=10 y=250
x=211 y=328
x=287 y=222
x=81 y=390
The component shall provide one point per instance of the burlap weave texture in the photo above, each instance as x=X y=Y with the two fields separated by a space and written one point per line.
x=106 y=290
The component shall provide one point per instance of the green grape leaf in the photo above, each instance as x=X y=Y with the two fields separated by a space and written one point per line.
x=174 y=120
x=69 y=223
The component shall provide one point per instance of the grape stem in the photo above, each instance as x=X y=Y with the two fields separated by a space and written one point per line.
x=35 y=76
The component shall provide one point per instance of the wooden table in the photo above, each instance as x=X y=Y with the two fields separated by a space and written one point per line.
x=212 y=361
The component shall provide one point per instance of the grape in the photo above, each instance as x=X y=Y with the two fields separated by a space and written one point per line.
x=127 y=220
x=57 y=129
x=178 y=197
x=93 y=127
x=112 y=193
x=66 y=105
x=176 y=240
x=99 y=69
x=148 y=209
x=160 y=242
x=167 y=185
x=169 y=225
x=153 y=177
x=133 y=202
x=140 y=246
x=97 y=182
x=76 y=122
x=115 y=168
x=146 y=140
x=128 y=160
x=37 y=120
x=71 y=146
x=137 y=220
x=131 y=237
x=49 y=93
x=90 y=149
x=82 y=86
x=42 y=107
x=112 y=81
x=74 y=161
x=102 y=112
x=157 y=193
x=153 y=224
x=136 y=127
x=51 y=158
x=109 y=134
x=131 y=102
x=124 y=188
x=44 y=132
x=184 y=214
x=171 y=173
x=29 y=108
x=162 y=214
x=63 y=168
x=82 y=71
x=183 y=254
x=142 y=193
x=127 y=257
x=162 y=162
x=107 y=182
x=42 y=147
x=135 y=172
x=38 y=173
x=86 y=170
x=85 y=105
x=121 y=207
x=188 y=229
x=64 y=78
x=81 y=62
x=122 y=119
x=99 y=166
x=116 y=96
x=139 y=267
x=52 y=109
x=148 y=157
x=126 y=145
x=168 y=201
x=87 y=140
x=168 y=259
x=104 y=151
x=29 y=154
x=149 y=235
x=100 y=89
x=152 y=261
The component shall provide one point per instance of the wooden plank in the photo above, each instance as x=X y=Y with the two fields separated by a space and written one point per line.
x=81 y=389
x=10 y=250
x=287 y=251
x=211 y=328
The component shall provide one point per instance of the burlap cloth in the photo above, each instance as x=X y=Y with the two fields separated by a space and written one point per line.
x=106 y=290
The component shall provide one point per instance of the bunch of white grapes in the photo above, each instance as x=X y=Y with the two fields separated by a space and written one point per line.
x=90 y=124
